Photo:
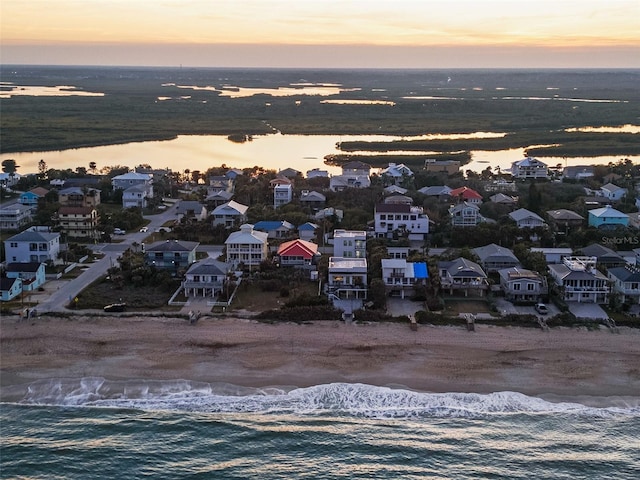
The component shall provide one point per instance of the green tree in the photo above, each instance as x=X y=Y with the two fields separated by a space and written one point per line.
x=10 y=167
x=42 y=169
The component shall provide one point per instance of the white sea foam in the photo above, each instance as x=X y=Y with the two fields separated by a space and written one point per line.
x=338 y=398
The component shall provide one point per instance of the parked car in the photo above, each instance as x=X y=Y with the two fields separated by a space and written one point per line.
x=115 y=307
x=118 y=231
x=541 y=308
x=144 y=229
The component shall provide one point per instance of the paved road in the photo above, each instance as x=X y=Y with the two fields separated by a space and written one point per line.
x=67 y=291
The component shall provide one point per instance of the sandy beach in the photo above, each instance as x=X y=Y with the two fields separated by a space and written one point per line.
x=564 y=362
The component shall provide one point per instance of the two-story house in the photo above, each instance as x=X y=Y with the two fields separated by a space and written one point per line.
x=307 y=231
x=604 y=255
x=564 y=219
x=396 y=173
x=579 y=281
x=79 y=197
x=400 y=219
x=14 y=216
x=282 y=194
x=229 y=214
x=312 y=200
x=191 y=209
x=465 y=215
x=522 y=286
x=441 y=192
x=171 y=255
x=494 y=258
x=355 y=174
x=349 y=243
x=529 y=168
x=205 y=278
x=275 y=229
x=612 y=192
x=247 y=246
x=78 y=222
x=625 y=281
x=607 y=217
x=399 y=275
x=31 y=197
x=31 y=274
x=32 y=246
x=137 y=188
x=466 y=194
x=297 y=253
x=462 y=275
x=347 y=278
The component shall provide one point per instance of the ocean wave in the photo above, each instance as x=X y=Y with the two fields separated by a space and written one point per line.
x=352 y=399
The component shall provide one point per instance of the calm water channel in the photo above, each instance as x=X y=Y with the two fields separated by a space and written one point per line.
x=276 y=151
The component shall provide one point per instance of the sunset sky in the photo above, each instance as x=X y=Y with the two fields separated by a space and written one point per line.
x=322 y=33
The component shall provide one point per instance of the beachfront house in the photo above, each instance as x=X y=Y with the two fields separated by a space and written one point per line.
x=400 y=276
x=625 y=281
x=171 y=255
x=205 y=278
x=31 y=274
x=463 y=276
x=347 y=278
x=32 y=246
x=10 y=288
x=522 y=286
x=578 y=280
x=494 y=258
x=247 y=246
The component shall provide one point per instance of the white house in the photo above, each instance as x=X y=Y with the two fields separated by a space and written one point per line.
x=354 y=175
x=282 y=194
x=399 y=275
x=192 y=209
x=463 y=275
x=205 y=278
x=626 y=282
x=521 y=285
x=32 y=246
x=526 y=219
x=31 y=274
x=347 y=278
x=136 y=197
x=317 y=173
x=229 y=214
x=396 y=172
x=350 y=243
x=465 y=214
x=580 y=281
x=529 y=168
x=126 y=180
x=495 y=257
x=612 y=192
x=392 y=219
x=247 y=246
x=14 y=216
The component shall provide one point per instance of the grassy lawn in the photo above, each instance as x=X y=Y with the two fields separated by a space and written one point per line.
x=104 y=292
x=455 y=306
x=252 y=298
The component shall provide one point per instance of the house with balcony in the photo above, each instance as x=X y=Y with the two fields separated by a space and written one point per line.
x=526 y=219
x=282 y=194
x=400 y=220
x=10 y=288
x=578 y=280
x=229 y=214
x=247 y=246
x=205 y=278
x=297 y=253
x=354 y=175
x=349 y=243
x=135 y=197
x=529 y=168
x=218 y=198
x=398 y=199
x=31 y=274
x=396 y=173
x=32 y=246
x=463 y=276
x=523 y=286
x=32 y=197
x=400 y=276
x=79 y=197
x=398 y=252
x=625 y=281
x=607 y=217
x=465 y=215
x=14 y=216
x=78 y=222
x=347 y=279
x=604 y=256
x=129 y=179
x=220 y=183
x=275 y=229
x=172 y=255
x=494 y=258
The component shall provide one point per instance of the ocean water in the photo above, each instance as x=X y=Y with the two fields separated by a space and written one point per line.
x=93 y=428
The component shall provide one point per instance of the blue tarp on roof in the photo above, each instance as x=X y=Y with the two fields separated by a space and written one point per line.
x=420 y=270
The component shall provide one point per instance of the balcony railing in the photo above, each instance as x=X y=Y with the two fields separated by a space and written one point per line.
x=480 y=284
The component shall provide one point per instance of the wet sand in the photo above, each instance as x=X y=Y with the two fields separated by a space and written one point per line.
x=564 y=362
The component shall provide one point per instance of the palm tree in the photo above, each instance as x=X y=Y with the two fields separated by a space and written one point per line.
x=93 y=167
x=9 y=166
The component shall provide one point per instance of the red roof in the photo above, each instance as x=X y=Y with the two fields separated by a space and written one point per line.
x=298 y=248
x=466 y=193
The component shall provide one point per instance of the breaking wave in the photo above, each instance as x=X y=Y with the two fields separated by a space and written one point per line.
x=351 y=399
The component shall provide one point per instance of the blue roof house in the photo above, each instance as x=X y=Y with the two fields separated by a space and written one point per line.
x=607 y=217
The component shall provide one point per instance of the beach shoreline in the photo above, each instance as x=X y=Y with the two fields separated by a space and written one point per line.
x=558 y=364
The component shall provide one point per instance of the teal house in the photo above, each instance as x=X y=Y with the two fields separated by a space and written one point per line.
x=607 y=217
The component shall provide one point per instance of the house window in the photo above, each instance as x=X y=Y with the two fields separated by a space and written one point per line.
x=196 y=278
x=530 y=287
x=14 y=244
x=516 y=286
